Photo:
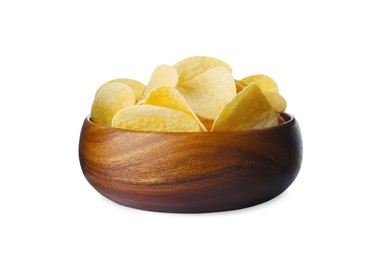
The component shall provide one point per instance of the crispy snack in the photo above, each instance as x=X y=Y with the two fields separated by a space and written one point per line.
x=137 y=86
x=209 y=92
x=163 y=75
x=110 y=98
x=239 y=86
x=198 y=89
x=154 y=118
x=169 y=97
x=191 y=67
x=248 y=110
x=265 y=83
x=276 y=100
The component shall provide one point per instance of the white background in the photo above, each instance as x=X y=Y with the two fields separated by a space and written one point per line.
x=53 y=57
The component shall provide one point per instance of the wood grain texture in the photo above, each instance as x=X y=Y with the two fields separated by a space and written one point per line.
x=190 y=172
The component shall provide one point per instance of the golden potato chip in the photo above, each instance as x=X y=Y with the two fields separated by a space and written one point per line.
x=137 y=86
x=163 y=75
x=249 y=109
x=154 y=118
x=209 y=92
x=169 y=97
x=276 y=101
x=193 y=66
x=239 y=86
x=110 y=98
x=264 y=82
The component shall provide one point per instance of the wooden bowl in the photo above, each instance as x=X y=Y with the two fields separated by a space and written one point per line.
x=190 y=172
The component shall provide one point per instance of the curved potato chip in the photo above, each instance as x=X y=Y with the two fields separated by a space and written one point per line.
x=209 y=92
x=169 y=97
x=249 y=109
x=239 y=86
x=110 y=98
x=154 y=118
x=264 y=82
x=163 y=75
x=276 y=101
x=193 y=66
x=137 y=86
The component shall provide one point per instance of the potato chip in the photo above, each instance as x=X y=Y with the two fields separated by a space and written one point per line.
x=194 y=66
x=169 y=97
x=154 y=118
x=137 y=86
x=276 y=101
x=163 y=75
x=249 y=109
x=239 y=86
x=264 y=82
x=110 y=98
x=209 y=92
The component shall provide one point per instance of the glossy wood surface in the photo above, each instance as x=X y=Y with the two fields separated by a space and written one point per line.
x=190 y=172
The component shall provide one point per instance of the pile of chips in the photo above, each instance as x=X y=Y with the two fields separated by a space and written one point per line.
x=197 y=94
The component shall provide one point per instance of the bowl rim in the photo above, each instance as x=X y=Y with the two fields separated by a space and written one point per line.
x=289 y=120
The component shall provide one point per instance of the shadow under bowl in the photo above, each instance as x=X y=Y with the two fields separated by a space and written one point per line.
x=190 y=172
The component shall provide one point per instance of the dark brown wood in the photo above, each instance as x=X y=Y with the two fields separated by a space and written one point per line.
x=190 y=172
